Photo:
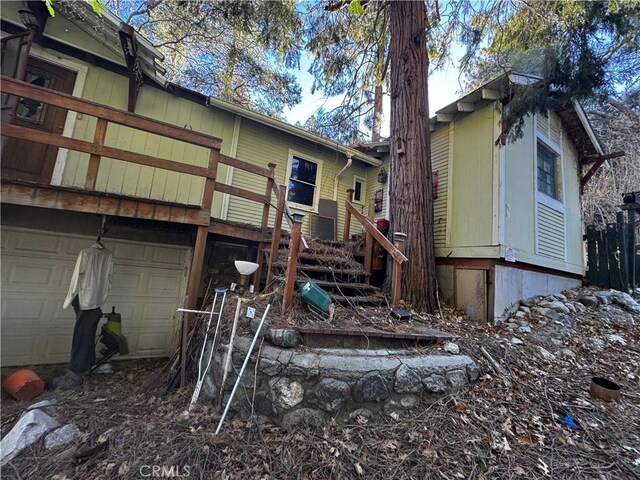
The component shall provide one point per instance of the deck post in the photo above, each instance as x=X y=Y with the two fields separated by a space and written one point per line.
x=264 y=225
x=368 y=245
x=94 y=160
x=275 y=238
x=396 y=275
x=292 y=263
x=210 y=181
x=347 y=217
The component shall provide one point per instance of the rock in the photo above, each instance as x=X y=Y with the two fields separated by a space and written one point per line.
x=597 y=343
x=255 y=322
x=626 y=301
x=524 y=309
x=104 y=369
x=567 y=353
x=269 y=367
x=558 y=306
x=473 y=371
x=284 y=337
x=62 y=436
x=528 y=302
x=617 y=339
x=511 y=320
x=545 y=354
x=579 y=306
x=560 y=297
x=516 y=341
x=520 y=314
x=452 y=348
x=361 y=412
x=287 y=394
x=457 y=379
x=263 y=405
x=541 y=310
x=570 y=307
x=524 y=329
x=589 y=301
x=47 y=406
x=370 y=388
x=407 y=381
x=302 y=416
x=330 y=394
x=435 y=383
x=27 y=430
x=605 y=297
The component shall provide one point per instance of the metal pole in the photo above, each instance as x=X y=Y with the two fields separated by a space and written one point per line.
x=244 y=365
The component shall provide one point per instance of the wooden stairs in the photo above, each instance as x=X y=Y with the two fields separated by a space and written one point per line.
x=333 y=267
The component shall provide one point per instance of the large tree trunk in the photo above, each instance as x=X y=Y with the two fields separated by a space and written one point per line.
x=411 y=187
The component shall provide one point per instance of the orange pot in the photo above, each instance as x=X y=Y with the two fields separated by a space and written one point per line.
x=23 y=384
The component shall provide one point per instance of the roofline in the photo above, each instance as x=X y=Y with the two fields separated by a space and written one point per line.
x=293 y=130
x=587 y=127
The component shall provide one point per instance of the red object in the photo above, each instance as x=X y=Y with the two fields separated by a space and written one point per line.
x=23 y=384
x=382 y=224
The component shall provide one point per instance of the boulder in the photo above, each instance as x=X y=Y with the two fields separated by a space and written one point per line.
x=255 y=322
x=457 y=379
x=589 y=301
x=330 y=394
x=370 y=388
x=435 y=383
x=27 y=430
x=452 y=348
x=473 y=372
x=269 y=367
x=284 y=337
x=302 y=416
x=407 y=380
x=286 y=393
x=605 y=297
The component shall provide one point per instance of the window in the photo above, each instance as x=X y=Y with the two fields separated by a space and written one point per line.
x=303 y=181
x=359 y=189
x=548 y=176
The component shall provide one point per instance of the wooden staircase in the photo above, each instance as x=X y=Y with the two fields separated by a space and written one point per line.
x=333 y=267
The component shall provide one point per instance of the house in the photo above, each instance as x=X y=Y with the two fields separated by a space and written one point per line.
x=178 y=184
x=508 y=222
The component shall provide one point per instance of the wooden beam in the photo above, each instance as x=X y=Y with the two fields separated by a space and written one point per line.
x=488 y=94
x=100 y=203
x=275 y=237
x=377 y=235
x=347 y=217
x=597 y=164
x=68 y=102
x=368 y=244
x=242 y=193
x=38 y=136
x=292 y=263
x=94 y=160
x=246 y=166
x=444 y=117
x=465 y=106
x=210 y=182
x=227 y=229
x=396 y=273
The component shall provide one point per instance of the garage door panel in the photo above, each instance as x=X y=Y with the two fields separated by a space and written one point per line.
x=36 y=271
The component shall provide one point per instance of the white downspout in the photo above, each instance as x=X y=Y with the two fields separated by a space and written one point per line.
x=335 y=180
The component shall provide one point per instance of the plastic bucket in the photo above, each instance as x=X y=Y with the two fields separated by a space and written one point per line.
x=313 y=294
x=23 y=384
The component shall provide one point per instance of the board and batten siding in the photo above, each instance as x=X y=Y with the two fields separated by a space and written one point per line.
x=440 y=164
x=119 y=177
x=260 y=145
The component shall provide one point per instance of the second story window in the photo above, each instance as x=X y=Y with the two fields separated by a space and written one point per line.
x=548 y=175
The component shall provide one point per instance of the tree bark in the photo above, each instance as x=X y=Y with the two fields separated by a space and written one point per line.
x=411 y=187
x=377 y=96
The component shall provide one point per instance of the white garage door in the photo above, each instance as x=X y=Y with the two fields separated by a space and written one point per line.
x=148 y=284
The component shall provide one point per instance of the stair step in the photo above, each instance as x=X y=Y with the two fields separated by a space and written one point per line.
x=336 y=285
x=320 y=269
x=360 y=299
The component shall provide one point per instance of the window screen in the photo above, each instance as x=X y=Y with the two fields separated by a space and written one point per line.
x=303 y=181
x=547 y=172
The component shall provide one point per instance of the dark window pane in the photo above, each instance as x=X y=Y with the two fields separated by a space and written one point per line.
x=300 y=193
x=357 y=192
x=547 y=183
x=303 y=170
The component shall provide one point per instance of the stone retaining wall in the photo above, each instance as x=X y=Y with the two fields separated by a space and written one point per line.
x=305 y=385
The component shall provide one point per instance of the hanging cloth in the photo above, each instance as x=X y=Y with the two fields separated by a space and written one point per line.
x=91 y=277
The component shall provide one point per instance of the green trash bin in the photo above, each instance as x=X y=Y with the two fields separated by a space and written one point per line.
x=314 y=295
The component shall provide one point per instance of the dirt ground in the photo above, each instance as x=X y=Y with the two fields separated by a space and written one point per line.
x=509 y=424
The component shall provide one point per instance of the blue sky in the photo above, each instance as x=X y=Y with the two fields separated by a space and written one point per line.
x=445 y=85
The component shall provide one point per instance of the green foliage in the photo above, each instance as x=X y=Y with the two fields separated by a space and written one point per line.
x=239 y=51
x=97 y=6
x=581 y=50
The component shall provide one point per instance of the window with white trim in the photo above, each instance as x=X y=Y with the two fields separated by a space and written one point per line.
x=303 y=181
x=549 y=177
x=359 y=189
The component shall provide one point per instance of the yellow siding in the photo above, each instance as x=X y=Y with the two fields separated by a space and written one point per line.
x=440 y=164
x=472 y=179
x=260 y=145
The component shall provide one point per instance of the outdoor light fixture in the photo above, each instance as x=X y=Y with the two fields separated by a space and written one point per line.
x=29 y=19
x=245 y=269
x=297 y=217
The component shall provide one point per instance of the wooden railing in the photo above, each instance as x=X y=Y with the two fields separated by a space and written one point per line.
x=395 y=250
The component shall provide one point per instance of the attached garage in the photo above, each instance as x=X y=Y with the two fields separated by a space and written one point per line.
x=148 y=285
